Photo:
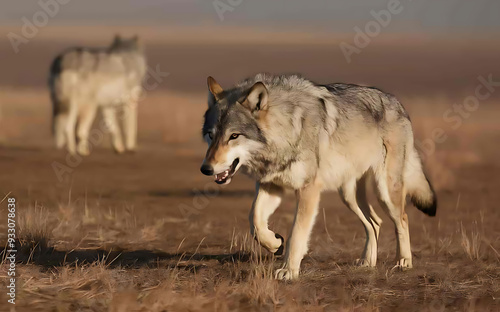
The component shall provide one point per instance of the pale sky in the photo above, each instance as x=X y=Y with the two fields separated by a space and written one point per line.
x=443 y=16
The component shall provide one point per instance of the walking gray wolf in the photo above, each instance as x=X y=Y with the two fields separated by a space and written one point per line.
x=289 y=133
x=82 y=80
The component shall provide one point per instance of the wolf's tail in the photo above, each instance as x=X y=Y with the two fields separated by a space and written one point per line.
x=419 y=188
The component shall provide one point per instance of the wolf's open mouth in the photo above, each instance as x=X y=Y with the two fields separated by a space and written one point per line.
x=224 y=176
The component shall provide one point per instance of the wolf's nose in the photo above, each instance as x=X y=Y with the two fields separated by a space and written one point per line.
x=207 y=170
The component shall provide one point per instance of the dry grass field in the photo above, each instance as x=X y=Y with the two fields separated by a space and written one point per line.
x=149 y=232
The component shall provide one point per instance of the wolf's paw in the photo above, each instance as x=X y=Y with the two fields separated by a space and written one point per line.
x=403 y=264
x=363 y=263
x=286 y=274
x=279 y=252
x=83 y=149
x=119 y=149
x=274 y=245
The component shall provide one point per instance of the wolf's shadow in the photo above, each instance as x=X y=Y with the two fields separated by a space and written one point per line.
x=43 y=255
x=194 y=193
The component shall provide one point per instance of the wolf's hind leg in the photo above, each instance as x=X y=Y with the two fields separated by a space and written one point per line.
x=354 y=196
x=362 y=197
x=297 y=245
x=391 y=194
x=368 y=211
x=267 y=200
x=111 y=120
x=85 y=120
x=375 y=219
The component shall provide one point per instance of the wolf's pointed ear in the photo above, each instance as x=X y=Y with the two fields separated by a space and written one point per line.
x=256 y=98
x=215 y=90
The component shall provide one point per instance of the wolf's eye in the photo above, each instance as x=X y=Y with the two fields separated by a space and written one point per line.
x=208 y=136
x=234 y=136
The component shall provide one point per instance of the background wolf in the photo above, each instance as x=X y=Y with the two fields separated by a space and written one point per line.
x=290 y=133
x=81 y=80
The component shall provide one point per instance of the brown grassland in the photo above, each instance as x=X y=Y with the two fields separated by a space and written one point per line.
x=149 y=232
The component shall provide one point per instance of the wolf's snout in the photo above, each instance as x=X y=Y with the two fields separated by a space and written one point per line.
x=207 y=169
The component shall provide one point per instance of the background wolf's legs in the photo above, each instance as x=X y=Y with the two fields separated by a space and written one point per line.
x=60 y=121
x=85 y=119
x=130 y=125
x=111 y=119
x=69 y=128
x=391 y=194
x=354 y=196
x=307 y=209
x=267 y=199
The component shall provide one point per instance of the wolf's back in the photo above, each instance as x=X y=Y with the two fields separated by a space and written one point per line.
x=84 y=72
x=89 y=62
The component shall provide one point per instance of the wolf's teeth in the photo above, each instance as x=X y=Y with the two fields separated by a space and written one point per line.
x=223 y=175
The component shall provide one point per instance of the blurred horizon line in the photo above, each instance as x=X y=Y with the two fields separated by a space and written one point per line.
x=218 y=34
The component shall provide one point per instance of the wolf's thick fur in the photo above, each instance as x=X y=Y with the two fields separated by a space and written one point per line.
x=290 y=133
x=82 y=80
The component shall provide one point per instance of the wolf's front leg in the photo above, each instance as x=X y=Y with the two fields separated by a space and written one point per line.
x=267 y=199
x=307 y=209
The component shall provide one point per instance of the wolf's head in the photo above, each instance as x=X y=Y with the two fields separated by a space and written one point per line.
x=120 y=44
x=232 y=129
